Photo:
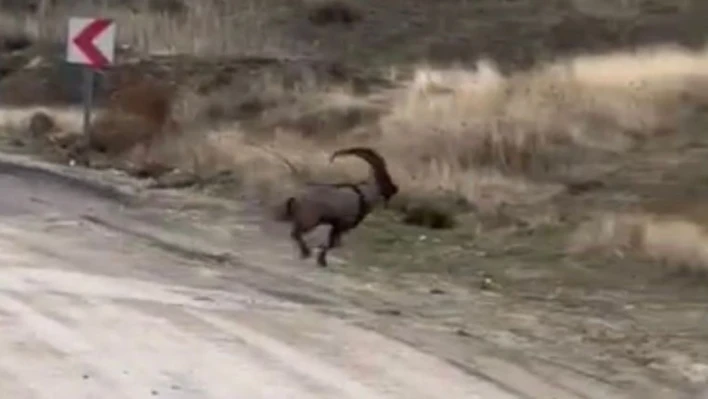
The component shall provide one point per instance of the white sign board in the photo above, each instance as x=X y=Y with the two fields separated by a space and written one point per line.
x=91 y=42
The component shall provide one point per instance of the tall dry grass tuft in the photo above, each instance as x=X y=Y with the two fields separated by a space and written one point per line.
x=677 y=243
x=463 y=118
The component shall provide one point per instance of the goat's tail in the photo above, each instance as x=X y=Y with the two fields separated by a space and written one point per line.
x=285 y=211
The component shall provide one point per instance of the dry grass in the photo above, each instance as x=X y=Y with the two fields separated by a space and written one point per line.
x=451 y=136
x=473 y=135
x=459 y=131
x=444 y=125
x=205 y=28
x=677 y=243
x=606 y=102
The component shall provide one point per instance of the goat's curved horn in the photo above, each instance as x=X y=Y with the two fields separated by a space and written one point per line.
x=377 y=164
x=369 y=155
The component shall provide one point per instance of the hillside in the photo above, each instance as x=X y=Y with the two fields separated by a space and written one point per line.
x=549 y=152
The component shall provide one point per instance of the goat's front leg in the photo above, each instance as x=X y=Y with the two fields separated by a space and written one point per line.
x=333 y=240
x=296 y=235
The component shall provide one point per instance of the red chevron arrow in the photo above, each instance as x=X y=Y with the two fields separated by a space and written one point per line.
x=84 y=42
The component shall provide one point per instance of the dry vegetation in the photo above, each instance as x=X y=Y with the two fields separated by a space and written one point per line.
x=161 y=27
x=679 y=244
x=559 y=164
x=457 y=139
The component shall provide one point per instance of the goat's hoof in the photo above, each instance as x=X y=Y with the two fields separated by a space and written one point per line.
x=305 y=254
x=322 y=262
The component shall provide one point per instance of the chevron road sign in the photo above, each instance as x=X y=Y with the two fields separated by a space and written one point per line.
x=90 y=43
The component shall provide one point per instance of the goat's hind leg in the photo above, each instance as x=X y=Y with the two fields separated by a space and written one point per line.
x=296 y=234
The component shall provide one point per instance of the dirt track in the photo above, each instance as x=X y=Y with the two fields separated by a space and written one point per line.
x=106 y=298
x=88 y=311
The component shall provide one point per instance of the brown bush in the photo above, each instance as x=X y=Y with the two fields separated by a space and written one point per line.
x=117 y=132
x=147 y=98
x=430 y=215
x=136 y=113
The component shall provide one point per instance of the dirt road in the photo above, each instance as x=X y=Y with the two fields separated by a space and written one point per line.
x=87 y=312
x=106 y=298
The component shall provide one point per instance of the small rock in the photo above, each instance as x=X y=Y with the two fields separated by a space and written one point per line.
x=487 y=284
x=463 y=333
x=579 y=187
x=390 y=312
x=150 y=168
x=481 y=254
x=154 y=392
x=63 y=139
x=85 y=376
x=437 y=291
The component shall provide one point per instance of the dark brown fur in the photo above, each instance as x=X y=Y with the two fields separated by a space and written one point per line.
x=342 y=206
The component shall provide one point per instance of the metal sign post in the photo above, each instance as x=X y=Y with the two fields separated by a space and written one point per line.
x=89 y=78
x=91 y=44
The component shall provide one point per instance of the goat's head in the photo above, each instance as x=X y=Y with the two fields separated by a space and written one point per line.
x=387 y=188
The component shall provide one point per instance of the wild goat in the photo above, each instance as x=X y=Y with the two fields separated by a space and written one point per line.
x=341 y=205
